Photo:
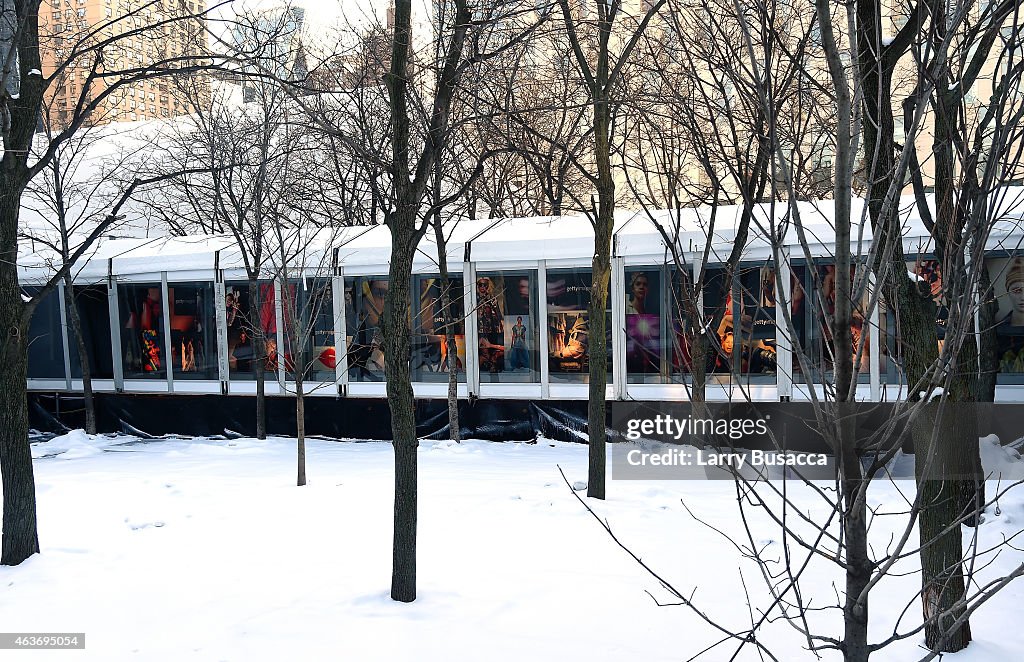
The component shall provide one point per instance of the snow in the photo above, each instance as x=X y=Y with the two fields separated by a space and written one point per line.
x=204 y=549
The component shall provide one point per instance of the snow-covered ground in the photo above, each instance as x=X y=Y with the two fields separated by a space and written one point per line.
x=206 y=550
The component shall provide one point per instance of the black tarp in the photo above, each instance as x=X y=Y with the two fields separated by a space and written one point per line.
x=154 y=415
x=352 y=418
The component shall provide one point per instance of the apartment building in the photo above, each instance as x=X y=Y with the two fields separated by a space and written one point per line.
x=90 y=45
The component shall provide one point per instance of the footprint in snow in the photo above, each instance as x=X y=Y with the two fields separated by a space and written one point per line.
x=137 y=526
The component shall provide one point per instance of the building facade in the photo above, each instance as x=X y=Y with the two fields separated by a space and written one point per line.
x=88 y=45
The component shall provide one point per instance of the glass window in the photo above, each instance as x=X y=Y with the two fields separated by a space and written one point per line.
x=193 y=330
x=243 y=317
x=364 y=312
x=143 y=350
x=1007 y=278
x=682 y=328
x=811 y=314
x=747 y=348
x=756 y=311
x=293 y=302
x=319 y=309
x=507 y=326
x=429 y=348
x=45 y=339
x=718 y=298
x=647 y=343
x=94 y=314
x=569 y=341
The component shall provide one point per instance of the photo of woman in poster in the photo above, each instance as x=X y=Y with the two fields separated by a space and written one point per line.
x=1010 y=328
x=490 y=326
x=569 y=341
x=364 y=315
x=187 y=312
x=858 y=326
x=643 y=325
x=517 y=295
x=639 y=285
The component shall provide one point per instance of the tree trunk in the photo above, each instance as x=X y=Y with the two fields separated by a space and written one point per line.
x=259 y=353
x=448 y=319
x=942 y=578
x=297 y=333
x=915 y=318
x=859 y=566
x=603 y=221
x=20 y=537
x=957 y=454
x=300 y=428
x=400 y=401
x=597 y=348
x=455 y=431
x=83 y=355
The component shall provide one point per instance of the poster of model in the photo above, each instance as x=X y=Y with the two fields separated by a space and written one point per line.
x=431 y=326
x=568 y=295
x=1007 y=278
x=643 y=322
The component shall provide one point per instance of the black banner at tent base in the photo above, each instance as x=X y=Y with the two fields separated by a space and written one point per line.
x=349 y=418
x=151 y=415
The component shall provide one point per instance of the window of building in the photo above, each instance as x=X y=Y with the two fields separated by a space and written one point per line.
x=318 y=311
x=647 y=342
x=364 y=310
x=94 y=315
x=244 y=322
x=1007 y=277
x=45 y=339
x=143 y=343
x=745 y=338
x=193 y=324
x=430 y=326
x=568 y=326
x=812 y=327
x=508 y=326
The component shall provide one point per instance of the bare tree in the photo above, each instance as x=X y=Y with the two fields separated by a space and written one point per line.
x=602 y=69
x=698 y=132
x=941 y=53
x=247 y=152
x=70 y=200
x=397 y=134
x=102 y=74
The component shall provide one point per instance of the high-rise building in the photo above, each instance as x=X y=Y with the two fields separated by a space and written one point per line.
x=272 y=39
x=90 y=45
